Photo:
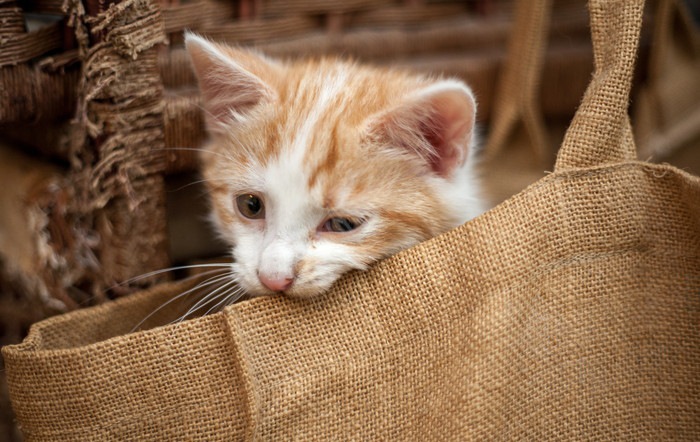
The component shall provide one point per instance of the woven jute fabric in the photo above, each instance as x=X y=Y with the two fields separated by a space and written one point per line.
x=600 y=131
x=568 y=312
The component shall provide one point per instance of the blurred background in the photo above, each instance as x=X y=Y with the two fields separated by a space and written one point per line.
x=99 y=108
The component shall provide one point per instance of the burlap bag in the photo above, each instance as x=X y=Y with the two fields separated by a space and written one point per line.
x=569 y=312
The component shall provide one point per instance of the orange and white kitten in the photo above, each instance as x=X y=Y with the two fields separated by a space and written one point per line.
x=318 y=167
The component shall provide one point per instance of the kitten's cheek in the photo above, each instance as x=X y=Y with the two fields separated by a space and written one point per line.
x=244 y=272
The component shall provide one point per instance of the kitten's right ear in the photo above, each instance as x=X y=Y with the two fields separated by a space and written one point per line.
x=436 y=123
x=229 y=80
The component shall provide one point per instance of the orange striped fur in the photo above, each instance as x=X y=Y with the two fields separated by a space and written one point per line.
x=349 y=163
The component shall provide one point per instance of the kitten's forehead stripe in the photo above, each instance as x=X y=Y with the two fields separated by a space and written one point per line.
x=327 y=163
x=317 y=100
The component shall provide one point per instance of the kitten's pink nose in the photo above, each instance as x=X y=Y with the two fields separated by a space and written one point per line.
x=276 y=284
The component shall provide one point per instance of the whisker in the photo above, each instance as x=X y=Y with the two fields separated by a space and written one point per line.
x=205 y=110
x=206 y=299
x=207 y=282
x=226 y=301
x=224 y=297
x=194 y=149
x=170 y=269
x=204 y=191
x=194 y=183
x=235 y=297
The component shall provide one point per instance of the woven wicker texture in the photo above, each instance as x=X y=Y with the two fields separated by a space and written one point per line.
x=43 y=90
x=118 y=155
x=569 y=312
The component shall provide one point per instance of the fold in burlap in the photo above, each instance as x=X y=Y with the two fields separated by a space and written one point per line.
x=568 y=312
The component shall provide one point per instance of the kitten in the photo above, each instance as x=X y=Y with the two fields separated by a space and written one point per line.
x=318 y=167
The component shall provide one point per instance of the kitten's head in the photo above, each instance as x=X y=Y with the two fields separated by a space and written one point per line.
x=319 y=167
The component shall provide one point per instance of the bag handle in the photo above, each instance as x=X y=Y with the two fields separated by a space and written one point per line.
x=600 y=132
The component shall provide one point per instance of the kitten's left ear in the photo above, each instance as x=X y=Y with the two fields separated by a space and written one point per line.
x=437 y=124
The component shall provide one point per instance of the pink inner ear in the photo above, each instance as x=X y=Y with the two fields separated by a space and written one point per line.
x=438 y=126
x=225 y=92
x=227 y=87
x=448 y=132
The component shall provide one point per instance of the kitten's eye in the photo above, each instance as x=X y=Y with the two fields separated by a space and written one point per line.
x=340 y=225
x=250 y=206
